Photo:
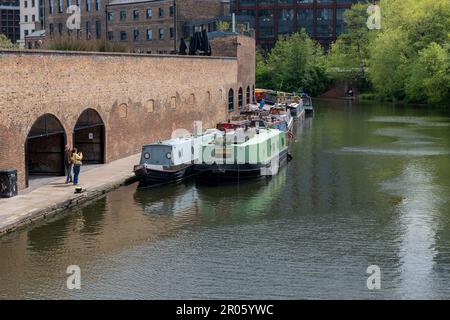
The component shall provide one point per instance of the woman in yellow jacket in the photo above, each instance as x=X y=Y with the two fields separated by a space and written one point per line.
x=76 y=161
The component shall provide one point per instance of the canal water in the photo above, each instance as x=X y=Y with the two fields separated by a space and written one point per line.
x=369 y=184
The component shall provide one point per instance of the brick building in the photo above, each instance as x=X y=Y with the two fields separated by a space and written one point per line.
x=110 y=104
x=153 y=26
x=10 y=19
x=322 y=19
x=92 y=22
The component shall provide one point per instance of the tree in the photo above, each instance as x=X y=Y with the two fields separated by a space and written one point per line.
x=429 y=75
x=5 y=43
x=414 y=33
x=296 y=63
x=348 y=56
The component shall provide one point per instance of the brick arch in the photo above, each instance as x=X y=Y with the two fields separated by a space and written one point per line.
x=44 y=147
x=89 y=136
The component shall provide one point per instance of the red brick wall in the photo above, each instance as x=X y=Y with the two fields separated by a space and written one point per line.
x=119 y=87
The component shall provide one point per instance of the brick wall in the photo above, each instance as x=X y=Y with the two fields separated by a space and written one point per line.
x=140 y=98
x=243 y=48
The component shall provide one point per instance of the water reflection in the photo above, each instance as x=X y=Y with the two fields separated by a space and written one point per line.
x=367 y=185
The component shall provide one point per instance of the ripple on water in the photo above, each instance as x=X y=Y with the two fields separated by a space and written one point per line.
x=416 y=152
x=419 y=121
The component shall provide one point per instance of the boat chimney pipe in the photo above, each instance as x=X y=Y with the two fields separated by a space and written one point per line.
x=233 y=22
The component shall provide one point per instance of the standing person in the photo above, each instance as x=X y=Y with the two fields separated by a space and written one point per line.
x=68 y=163
x=76 y=160
x=262 y=103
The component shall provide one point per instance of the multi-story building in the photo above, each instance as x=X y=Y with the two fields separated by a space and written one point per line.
x=156 y=26
x=92 y=19
x=153 y=26
x=322 y=19
x=30 y=18
x=10 y=19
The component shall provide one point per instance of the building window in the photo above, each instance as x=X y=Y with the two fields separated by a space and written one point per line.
x=240 y=99
x=265 y=24
x=161 y=34
x=110 y=16
x=50 y=26
x=69 y=3
x=33 y=18
x=50 y=6
x=26 y=18
x=98 y=28
x=172 y=33
x=33 y=3
x=325 y=22
x=172 y=11
x=161 y=12
x=149 y=34
x=123 y=35
x=286 y=21
x=231 y=100
x=110 y=35
x=136 y=35
x=26 y=32
x=88 y=30
x=123 y=15
x=79 y=4
x=305 y=20
x=97 y=5
x=60 y=28
x=149 y=13
x=136 y=14
x=60 y=6
x=25 y=4
x=88 y=5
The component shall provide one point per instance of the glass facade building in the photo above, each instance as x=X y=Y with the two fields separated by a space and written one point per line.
x=10 y=19
x=322 y=19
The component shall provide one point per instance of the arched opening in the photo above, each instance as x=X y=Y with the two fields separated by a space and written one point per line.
x=231 y=100
x=240 y=99
x=89 y=137
x=44 y=148
x=248 y=95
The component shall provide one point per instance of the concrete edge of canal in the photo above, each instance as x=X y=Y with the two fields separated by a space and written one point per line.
x=53 y=199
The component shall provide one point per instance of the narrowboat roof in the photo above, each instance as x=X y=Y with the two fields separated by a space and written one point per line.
x=181 y=140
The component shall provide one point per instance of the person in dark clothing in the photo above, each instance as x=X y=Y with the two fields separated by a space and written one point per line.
x=68 y=163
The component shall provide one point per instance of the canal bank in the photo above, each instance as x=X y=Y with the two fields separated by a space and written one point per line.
x=56 y=196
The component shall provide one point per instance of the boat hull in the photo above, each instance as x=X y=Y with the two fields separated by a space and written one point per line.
x=309 y=112
x=232 y=173
x=150 y=177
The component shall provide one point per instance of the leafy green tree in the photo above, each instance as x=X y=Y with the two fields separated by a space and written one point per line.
x=348 y=56
x=429 y=78
x=388 y=63
x=296 y=63
x=5 y=43
x=263 y=77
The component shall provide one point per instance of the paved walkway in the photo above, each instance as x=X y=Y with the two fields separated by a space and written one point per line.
x=57 y=196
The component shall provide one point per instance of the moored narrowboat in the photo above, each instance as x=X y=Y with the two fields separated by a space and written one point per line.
x=170 y=160
x=242 y=154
